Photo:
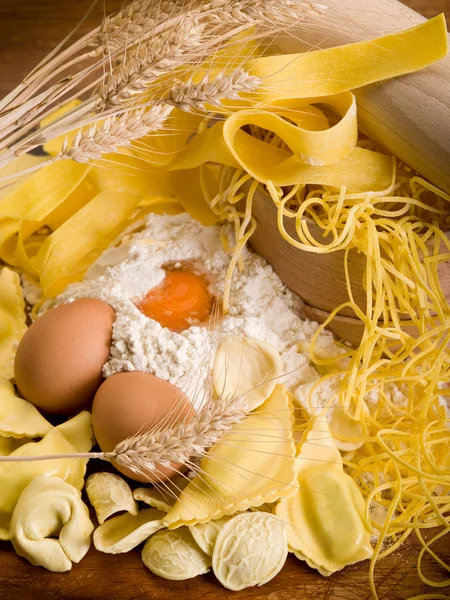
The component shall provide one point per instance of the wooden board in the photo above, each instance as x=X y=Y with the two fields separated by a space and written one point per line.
x=28 y=30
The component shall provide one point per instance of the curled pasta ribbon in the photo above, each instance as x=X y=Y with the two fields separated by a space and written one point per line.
x=48 y=507
x=12 y=320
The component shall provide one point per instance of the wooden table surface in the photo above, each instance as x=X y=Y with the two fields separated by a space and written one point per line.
x=28 y=30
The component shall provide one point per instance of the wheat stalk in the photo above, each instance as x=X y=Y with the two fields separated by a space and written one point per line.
x=187 y=95
x=182 y=441
x=115 y=132
x=178 y=443
x=151 y=62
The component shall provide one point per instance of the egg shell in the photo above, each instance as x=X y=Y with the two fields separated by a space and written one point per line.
x=58 y=364
x=133 y=402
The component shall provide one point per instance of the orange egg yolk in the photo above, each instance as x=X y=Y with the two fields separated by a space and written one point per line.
x=179 y=300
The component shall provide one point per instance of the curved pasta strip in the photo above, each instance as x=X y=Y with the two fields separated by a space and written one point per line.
x=12 y=320
x=175 y=555
x=252 y=464
x=125 y=532
x=47 y=507
x=108 y=493
x=19 y=418
x=326 y=515
x=246 y=367
x=73 y=436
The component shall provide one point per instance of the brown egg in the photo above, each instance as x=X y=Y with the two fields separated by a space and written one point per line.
x=58 y=364
x=131 y=403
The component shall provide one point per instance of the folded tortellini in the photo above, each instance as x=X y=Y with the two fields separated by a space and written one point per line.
x=12 y=320
x=50 y=525
x=71 y=437
x=326 y=515
x=18 y=417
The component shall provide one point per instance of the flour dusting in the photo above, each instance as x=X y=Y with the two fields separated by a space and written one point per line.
x=260 y=305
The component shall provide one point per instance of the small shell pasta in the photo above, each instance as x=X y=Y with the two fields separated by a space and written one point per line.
x=205 y=534
x=49 y=506
x=109 y=494
x=175 y=555
x=248 y=367
x=125 y=532
x=250 y=550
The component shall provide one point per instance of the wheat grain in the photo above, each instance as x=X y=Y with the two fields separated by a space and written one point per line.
x=151 y=61
x=188 y=95
x=181 y=441
x=115 y=132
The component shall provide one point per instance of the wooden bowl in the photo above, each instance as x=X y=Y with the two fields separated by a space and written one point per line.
x=319 y=279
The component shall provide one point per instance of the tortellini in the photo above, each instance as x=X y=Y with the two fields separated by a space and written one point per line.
x=108 y=493
x=12 y=320
x=19 y=418
x=252 y=464
x=175 y=555
x=248 y=367
x=250 y=550
x=71 y=437
x=50 y=507
x=125 y=532
x=326 y=515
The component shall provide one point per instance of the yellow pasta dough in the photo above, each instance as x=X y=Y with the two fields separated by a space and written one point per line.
x=71 y=437
x=246 y=367
x=125 y=532
x=325 y=517
x=19 y=418
x=108 y=493
x=12 y=320
x=175 y=555
x=252 y=464
x=48 y=507
x=162 y=497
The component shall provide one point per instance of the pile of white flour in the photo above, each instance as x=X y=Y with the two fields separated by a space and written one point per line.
x=261 y=306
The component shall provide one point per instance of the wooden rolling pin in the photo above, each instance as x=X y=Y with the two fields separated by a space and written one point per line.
x=410 y=115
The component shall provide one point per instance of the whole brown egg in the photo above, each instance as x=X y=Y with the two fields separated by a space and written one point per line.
x=131 y=403
x=58 y=364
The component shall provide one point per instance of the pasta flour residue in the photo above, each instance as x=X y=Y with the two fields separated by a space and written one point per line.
x=260 y=305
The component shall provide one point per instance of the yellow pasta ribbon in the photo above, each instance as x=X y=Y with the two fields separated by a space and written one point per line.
x=12 y=320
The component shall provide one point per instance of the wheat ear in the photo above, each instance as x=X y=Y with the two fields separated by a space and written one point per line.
x=177 y=443
x=115 y=132
x=188 y=95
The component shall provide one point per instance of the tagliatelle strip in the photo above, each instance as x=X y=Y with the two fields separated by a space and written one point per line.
x=12 y=320
x=47 y=507
x=19 y=418
x=252 y=464
x=108 y=493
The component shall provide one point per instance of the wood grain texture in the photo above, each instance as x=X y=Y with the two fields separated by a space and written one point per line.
x=28 y=30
